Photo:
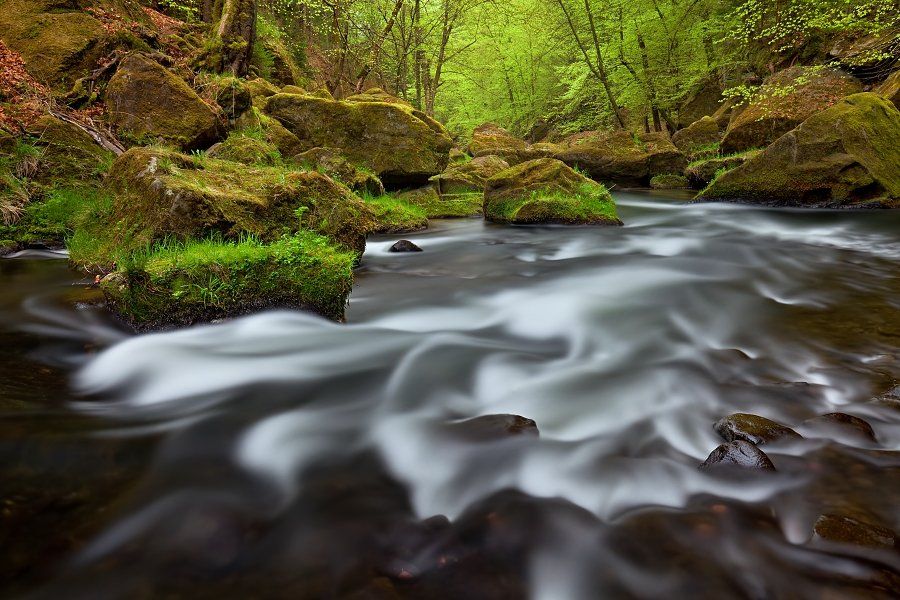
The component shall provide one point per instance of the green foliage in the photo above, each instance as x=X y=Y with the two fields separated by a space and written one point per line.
x=395 y=215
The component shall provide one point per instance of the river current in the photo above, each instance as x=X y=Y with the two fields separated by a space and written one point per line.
x=281 y=455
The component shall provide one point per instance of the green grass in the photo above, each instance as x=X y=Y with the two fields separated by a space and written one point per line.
x=590 y=204
x=174 y=283
x=395 y=215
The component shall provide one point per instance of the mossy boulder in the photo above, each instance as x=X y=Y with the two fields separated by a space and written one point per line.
x=890 y=89
x=247 y=149
x=395 y=215
x=61 y=41
x=147 y=102
x=702 y=101
x=785 y=100
x=159 y=194
x=545 y=190
x=65 y=153
x=401 y=145
x=377 y=95
x=260 y=91
x=255 y=123
x=231 y=95
x=492 y=140
x=470 y=176
x=620 y=157
x=449 y=206
x=669 y=181
x=700 y=173
x=200 y=281
x=700 y=138
x=332 y=162
x=844 y=156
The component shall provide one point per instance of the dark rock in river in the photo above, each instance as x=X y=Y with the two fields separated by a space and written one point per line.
x=847 y=530
x=493 y=427
x=752 y=428
x=739 y=453
x=841 y=423
x=404 y=246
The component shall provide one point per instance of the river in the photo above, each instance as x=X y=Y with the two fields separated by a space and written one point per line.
x=284 y=456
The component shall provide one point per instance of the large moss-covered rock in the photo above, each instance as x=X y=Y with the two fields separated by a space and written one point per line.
x=785 y=100
x=61 y=41
x=844 y=156
x=470 y=176
x=332 y=162
x=148 y=102
x=247 y=149
x=545 y=190
x=620 y=157
x=66 y=153
x=492 y=140
x=700 y=138
x=377 y=95
x=701 y=172
x=201 y=281
x=401 y=145
x=161 y=194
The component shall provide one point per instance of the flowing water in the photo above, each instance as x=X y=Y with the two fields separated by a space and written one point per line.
x=282 y=455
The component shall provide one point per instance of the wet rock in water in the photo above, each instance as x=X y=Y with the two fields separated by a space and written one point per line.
x=752 y=428
x=404 y=246
x=847 y=530
x=739 y=453
x=839 y=423
x=547 y=191
x=494 y=427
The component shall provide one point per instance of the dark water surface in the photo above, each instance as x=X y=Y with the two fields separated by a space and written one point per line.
x=284 y=456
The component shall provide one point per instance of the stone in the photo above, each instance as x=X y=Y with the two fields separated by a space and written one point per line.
x=401 y=145
x=471 y=176
x=845 y=156
x=838 y=422
x=489 y=428
x=739 y=453
x=890 y=89
x=703 y=101
x=700 y=173
x=404 y=246
x=700 y=138
x=332 y=162
x=785 y=100
x=669 y=181
x=547 y=191
x=753 y=428
x=149 y=103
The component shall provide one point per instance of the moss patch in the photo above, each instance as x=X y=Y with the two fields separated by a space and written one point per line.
x=174 y=284
x=444 y=206
x=396 y=216
x=669 y=181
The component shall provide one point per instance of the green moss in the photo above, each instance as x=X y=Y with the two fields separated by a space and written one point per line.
x=396 y=216
x=444 y=206
x=51 y=219
x=181 y=283
x=246 y=147
x=669 y=181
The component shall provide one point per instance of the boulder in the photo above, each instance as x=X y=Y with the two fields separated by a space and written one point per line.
x=332 y=162
x=739 y=453
x=844 y=156
x=232 y=96
x=62 y=41
x=703 y=101
x=162 y=194
x=840 y=424
x=492 y=428
x=669 y=181
x=785 y=100
x=377 y=95
x=443 y=207
x=403 y=146
x=547 y=191
x=471 y=176
x=246 y=149
x=492 y=140
x=700 y=173
x=260 y=91
x=752 y=428
x=700 y=138
x=621 y=158
x=67 y=154
x=147 y=102
x=890 y=89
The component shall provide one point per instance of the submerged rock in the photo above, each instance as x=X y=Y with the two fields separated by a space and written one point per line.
x=847 y=530
x=547 y=191
x=470 y=176
x=845 y=156
x=147 y=102
x=785 y=100
x=404 y=246
x=841 y=423
x=752 y=428
x=489 y=428
x=739 y=453
x=401 y=145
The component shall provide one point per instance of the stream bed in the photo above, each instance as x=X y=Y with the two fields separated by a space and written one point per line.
x=284 y=456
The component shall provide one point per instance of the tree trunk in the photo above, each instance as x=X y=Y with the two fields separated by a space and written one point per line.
x=235 y=34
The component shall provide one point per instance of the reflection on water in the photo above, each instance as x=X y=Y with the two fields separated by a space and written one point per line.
x=281 y=455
